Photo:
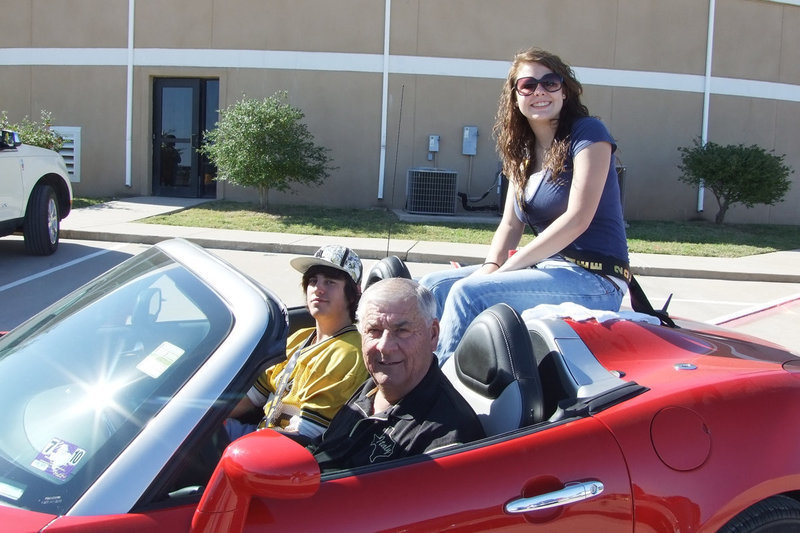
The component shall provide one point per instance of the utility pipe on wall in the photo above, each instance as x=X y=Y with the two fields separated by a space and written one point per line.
x=387 y=23
x=707 y=90
x=129 y=96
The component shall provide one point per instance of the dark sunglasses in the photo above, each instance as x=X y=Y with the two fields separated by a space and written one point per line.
x=550 y=82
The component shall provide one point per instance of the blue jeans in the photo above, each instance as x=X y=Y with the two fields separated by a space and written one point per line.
x=236 y=429
x=461 y=297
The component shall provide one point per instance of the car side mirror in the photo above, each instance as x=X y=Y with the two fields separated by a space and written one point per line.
x=262 y=464
x=10 y=139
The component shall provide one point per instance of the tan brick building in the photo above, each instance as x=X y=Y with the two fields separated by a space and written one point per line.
x=377 y=78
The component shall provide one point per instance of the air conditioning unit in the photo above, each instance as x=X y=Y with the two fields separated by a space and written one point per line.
x=431 y=191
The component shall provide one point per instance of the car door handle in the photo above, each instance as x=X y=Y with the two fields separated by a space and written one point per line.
x=572 y=492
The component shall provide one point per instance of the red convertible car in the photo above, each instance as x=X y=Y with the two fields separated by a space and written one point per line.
x=112 y=403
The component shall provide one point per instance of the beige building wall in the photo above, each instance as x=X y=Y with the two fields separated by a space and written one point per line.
x=642 y=63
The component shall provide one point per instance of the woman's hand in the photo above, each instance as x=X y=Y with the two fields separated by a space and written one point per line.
x=506 y=237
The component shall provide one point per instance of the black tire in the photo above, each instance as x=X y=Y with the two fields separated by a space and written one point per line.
x=42 y=224
x=778 y=514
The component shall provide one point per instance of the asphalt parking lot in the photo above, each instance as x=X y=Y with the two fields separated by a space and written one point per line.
x=764 y=309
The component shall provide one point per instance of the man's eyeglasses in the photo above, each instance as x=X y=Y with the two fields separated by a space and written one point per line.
x=550 y=82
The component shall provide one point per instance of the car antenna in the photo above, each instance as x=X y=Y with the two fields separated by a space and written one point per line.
x=394 y=171
x=666 y=304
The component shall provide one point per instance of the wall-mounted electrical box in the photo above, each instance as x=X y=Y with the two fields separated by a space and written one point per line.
x=469 y=144
x=433 y=143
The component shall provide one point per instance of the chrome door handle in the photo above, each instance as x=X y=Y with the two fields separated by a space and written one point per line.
x=572 y=492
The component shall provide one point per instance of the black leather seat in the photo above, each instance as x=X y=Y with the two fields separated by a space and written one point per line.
x=388 y=267
x=495 y=370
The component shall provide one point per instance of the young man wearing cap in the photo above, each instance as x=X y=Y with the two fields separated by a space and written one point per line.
x=324 y=365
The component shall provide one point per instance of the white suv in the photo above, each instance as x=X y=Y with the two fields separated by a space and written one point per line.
x=35 y=193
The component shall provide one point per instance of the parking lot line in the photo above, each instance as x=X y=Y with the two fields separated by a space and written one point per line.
x=57 y=268
x=751 y=312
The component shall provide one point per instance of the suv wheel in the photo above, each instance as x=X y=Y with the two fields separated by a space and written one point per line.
x=41 y=226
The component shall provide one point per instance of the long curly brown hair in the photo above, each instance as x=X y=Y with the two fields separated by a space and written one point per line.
x=515 y=138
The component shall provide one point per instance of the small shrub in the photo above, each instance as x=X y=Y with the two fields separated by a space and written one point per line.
x=35 y=133
x=265 y=144
x=736 y=174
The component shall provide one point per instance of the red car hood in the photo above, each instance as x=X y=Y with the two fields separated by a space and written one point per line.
x=22 y=521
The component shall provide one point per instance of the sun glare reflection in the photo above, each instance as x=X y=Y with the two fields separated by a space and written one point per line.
x=100 y=396
x=99 y=400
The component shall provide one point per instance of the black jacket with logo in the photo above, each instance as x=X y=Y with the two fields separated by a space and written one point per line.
x=433 y=415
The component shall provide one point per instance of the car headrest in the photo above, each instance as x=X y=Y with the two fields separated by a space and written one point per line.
x=495 y=352
x=388 y=267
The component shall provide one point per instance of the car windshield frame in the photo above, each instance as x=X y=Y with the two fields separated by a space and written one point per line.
x=80 y=380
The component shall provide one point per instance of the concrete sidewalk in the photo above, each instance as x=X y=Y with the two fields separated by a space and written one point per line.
x=117 y=221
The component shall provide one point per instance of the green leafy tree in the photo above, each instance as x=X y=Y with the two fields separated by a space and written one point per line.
x=33 y=132
x=265 y=144
x=736 y=174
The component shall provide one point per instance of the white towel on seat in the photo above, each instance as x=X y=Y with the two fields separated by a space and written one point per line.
x=580 y=313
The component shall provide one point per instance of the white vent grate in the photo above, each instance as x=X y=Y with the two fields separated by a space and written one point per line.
x=71 y=151
x=431 y=191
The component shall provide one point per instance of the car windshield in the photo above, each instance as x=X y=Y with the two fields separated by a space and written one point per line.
x=81 y=379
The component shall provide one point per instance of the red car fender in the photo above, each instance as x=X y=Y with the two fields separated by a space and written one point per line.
x=719 y=434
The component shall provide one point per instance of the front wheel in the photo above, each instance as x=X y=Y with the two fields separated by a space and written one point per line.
x=42 y=224
x=778 y=514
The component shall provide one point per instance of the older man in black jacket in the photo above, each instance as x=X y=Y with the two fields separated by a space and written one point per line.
x=408 y=406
